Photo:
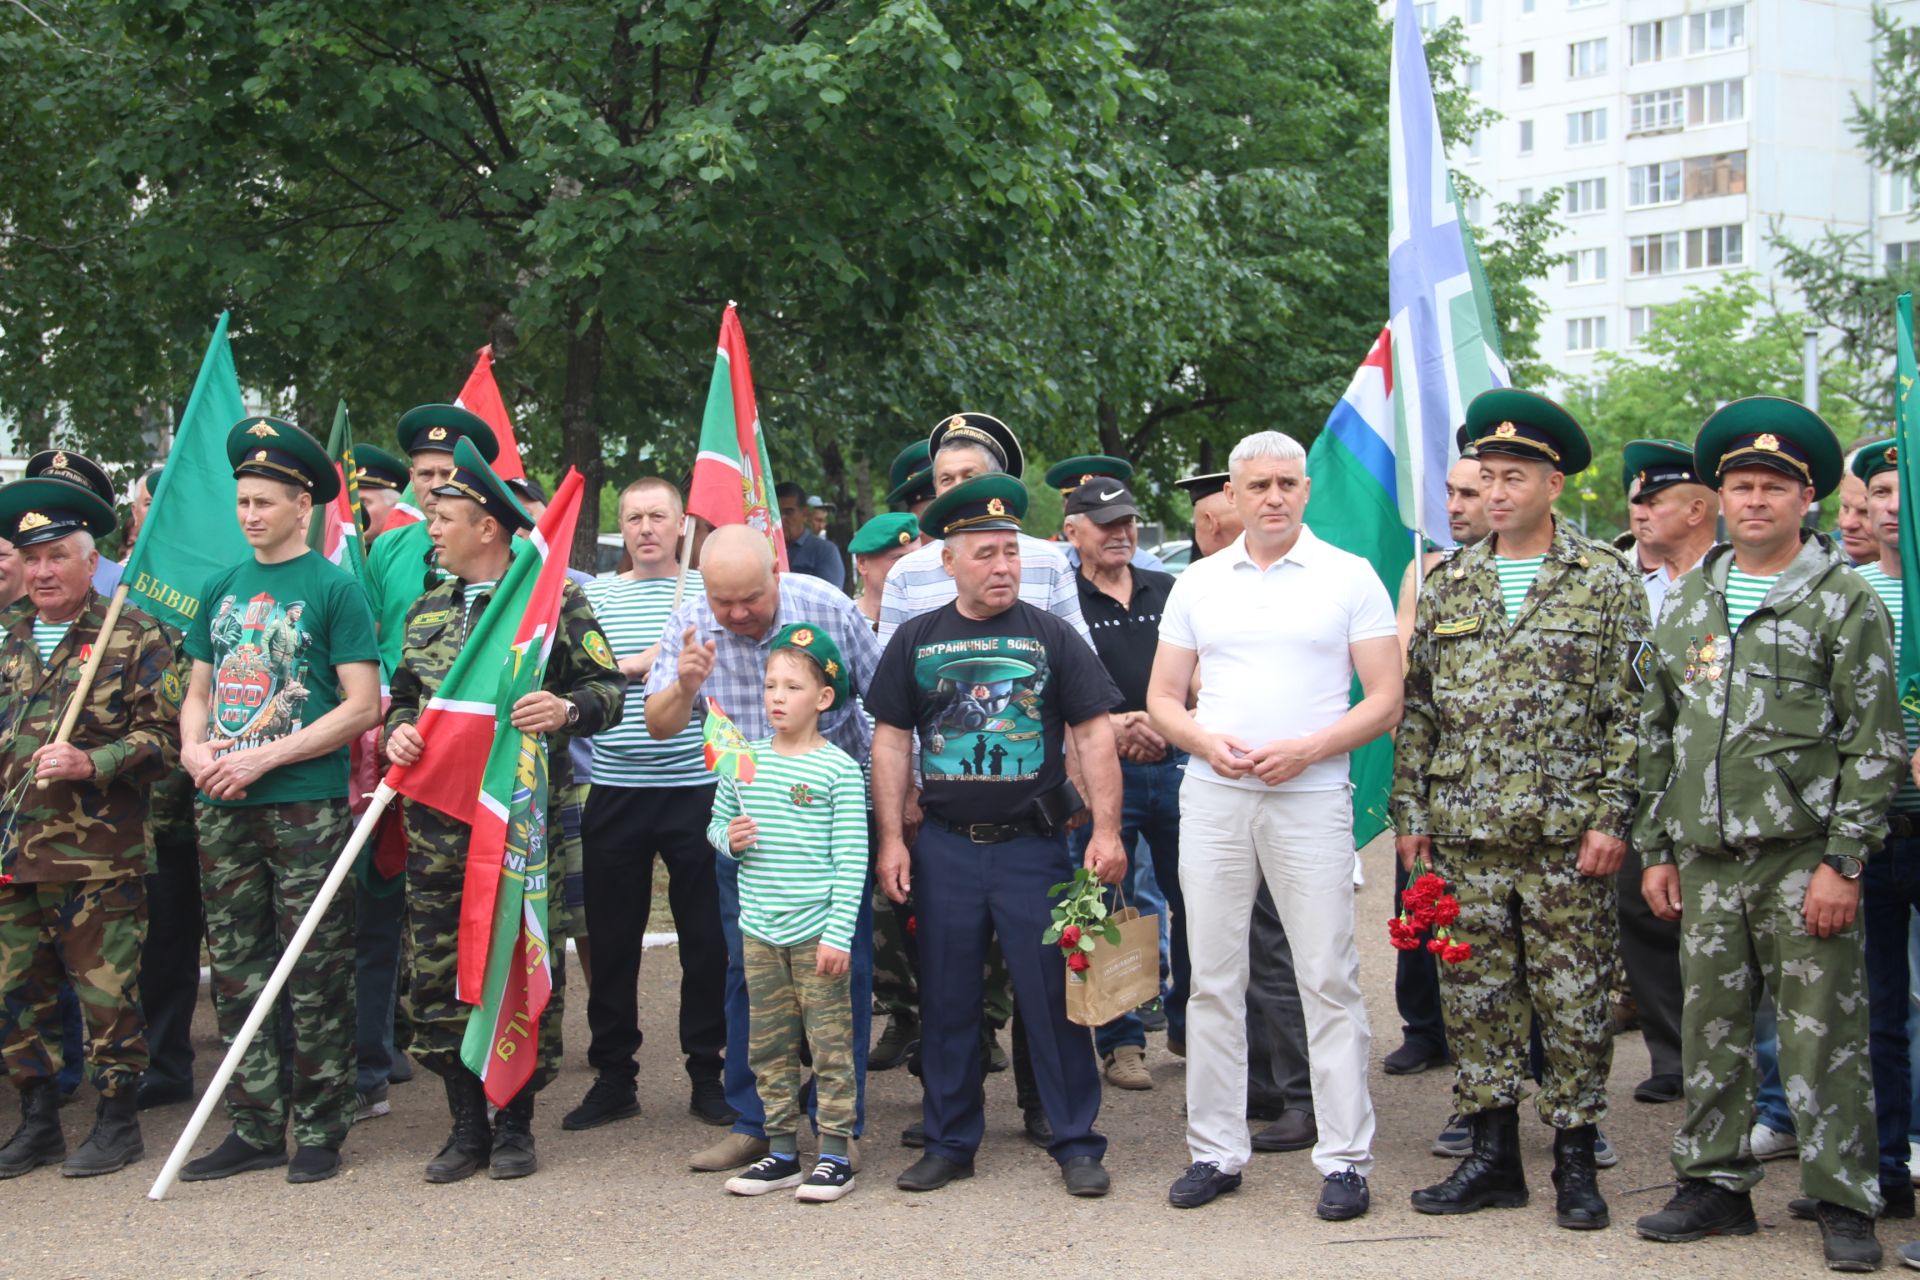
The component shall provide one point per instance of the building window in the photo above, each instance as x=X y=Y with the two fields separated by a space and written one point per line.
x=1902 y=190
x=1717 y=29
x=1526 y=137
x=1717 y=103
x=1477 y=144
x=1716 y=247
x=1653 y=184
x=1585 y=266
x=1584 y=127
x=1587 y=195
x=1526 y=6
x=1587 y=333
x=1583 y=4
x=1903 y=255
x=1655 y=255
x=1639 y=320
x=1524 y=195
x=1474 y=77
x=1653 y=41
x=1427 y=15
x=1476 y=12
x=1473 y=210
x=1526 y=68
x=1656 y=112
x=1587 y=58
x=1721 y=175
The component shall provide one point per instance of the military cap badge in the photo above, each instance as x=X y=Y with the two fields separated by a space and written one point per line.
x=804 y=638
x=1767 y=442
x=995 y=507
x=263 y=431
x=436 y=433
x=1506 y=430
x=60 y=461
x=33 y=520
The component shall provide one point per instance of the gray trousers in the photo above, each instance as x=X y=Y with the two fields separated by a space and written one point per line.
x=1650 y=951
x=1277 y=1077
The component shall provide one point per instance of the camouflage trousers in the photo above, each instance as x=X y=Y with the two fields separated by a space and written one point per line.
x=1544 y=944
x=261 y=868
x=88 y=933
x=436 y=876
x=790 y=1007
x=1741 y=926
x=896 y=963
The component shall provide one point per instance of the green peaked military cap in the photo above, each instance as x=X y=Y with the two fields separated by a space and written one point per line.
x=812 y=639
x=984 y=430
x=915 y=458
x=74 y=468
x=1069 y=474
x=1203 y=485
x=917 y=487
x=278 y=450
x=884 y=533
x=375 y=468
x=1869 y=460
x=46 y=510
x=1524 y=425
x=992 y=502
x=437 y=426
x=985 y=670
x=1770 y=431
x=1657 y=465
x=473 y=479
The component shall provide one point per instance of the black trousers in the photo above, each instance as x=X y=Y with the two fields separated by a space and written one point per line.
x=623 y=830
x=1650 y=951
x=170 y=961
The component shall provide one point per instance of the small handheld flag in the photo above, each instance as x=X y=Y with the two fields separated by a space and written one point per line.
x=727 y=750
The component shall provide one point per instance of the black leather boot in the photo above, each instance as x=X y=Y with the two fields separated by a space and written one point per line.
x=38 y=1140
x=471 y=1140
x=1490 y=1177
x=513 y=1138
x=1577 y=1206
x=115 y=1141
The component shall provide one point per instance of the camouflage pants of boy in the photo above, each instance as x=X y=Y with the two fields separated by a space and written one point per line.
x=261 y=868
x=436 y=877
x=790 y=1006
x=88 y=933
x=1741 y=925
x=1544 y=943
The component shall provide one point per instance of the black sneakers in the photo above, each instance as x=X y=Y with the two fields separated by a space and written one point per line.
x=831 y=1178
x=774 y=1172
x=1700 y=1209
x=234 y=1155
x=1202 y=1183
x=313 y=1164
x=708 y=1104
x=1846 y=1237
x=1344 y=1195
x=606 y=1101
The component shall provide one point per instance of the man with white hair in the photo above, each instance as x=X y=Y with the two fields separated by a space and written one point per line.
x=1281 y=623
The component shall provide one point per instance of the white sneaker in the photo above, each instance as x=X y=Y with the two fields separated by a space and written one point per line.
x=1769 y=1144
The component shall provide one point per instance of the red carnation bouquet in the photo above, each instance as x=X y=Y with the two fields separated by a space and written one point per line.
x=1427 y=907
x=1080 y=918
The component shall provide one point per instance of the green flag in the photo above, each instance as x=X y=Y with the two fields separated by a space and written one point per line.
x=334 y=530
x=1906 y=429
x=190 y=533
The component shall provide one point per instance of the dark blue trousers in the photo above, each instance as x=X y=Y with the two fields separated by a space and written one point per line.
x=1890 y=890
x=964 y=894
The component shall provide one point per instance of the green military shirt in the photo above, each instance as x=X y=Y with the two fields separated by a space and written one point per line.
x=94 y=829
x=397 y=576
x=1784 y=730
x=1520 y=731
x=580 y=668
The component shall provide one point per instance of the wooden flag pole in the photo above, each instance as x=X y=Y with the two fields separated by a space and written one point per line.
x=269 y=996
x=88 y=671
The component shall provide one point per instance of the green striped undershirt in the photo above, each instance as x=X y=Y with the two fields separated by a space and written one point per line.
x=1745 y=593
x=469 y=595
x=1516 y=579
x=804 y=875
x=47 y=637
x=1906 y=797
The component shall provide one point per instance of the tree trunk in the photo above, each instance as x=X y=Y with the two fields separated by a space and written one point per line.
x=580 y=427
x=1108 y=420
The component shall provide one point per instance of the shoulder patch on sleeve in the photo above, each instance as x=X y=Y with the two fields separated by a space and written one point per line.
x=596 y=647
x=1643 y=664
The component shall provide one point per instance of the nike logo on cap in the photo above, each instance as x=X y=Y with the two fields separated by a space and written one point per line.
x=1109 y=497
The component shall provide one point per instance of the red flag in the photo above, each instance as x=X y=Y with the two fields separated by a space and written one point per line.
x=481 y=397
x=732 y=482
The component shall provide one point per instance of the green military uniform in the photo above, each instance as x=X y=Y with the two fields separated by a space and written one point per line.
x=73 y=902
x=1518 y=739
x=1766 y=747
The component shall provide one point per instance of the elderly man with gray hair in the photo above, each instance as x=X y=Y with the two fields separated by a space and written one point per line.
x=1280 y=623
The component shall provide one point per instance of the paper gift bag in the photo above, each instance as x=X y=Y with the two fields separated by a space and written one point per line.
x=1117 y=978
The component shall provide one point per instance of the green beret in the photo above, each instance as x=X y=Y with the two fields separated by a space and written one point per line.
x=278 y=450
x=436 y=426
x=46 y=510
x=1524 y=425
x=1770 y=431
x=981 y=429
x=985 y=503
x=1069 y=474
x=375 y=468
x=474 y=480
x=1869 y=460
x=812 y=639
x=1657 y=465
x=884 y=533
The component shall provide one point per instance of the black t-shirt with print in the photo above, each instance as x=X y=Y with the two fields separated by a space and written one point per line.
x=990 y=701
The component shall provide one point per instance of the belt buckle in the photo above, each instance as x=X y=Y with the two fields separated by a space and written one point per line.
x=974 y=829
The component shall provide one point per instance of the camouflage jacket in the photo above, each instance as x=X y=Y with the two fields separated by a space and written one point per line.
x=1522 y=731
x=1787 y=730
x=581 y=666
x=91 y=830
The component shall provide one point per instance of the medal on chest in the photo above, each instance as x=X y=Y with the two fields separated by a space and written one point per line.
x=1704 y=660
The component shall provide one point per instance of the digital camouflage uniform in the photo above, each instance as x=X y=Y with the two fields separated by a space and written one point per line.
x=77 y=850
x=1517 y=739
x=580 y=668
x=1763 y=750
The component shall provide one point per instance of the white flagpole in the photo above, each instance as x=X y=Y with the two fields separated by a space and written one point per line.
x=270 y=994
x=686 y=554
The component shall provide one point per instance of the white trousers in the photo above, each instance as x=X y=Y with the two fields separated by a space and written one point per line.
x=1301 y=842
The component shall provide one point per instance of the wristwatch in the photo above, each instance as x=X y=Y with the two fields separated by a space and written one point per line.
x=573 y=718
x=1847 y=865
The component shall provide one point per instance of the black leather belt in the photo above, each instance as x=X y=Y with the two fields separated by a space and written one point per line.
x=986 y=832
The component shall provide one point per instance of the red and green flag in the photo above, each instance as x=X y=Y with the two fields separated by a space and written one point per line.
x=1906 y=429
x=732 y=480
x=726 y=748
x=481 y=397
x=334 y=531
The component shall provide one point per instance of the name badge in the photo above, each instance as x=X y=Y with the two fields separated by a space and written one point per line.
x=1457 y=627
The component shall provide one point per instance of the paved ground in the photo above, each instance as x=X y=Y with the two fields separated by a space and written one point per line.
x=619 y=1201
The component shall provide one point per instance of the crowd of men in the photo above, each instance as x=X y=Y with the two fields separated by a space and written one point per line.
x=1680 y=756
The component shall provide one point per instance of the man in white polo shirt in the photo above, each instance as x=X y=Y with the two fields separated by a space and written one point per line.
x=1280 y=623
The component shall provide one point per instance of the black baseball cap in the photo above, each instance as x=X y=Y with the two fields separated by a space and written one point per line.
x=1102 y=500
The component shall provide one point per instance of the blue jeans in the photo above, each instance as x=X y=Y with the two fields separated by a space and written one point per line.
x=1150 y=814
x=1889 y=892
x=736 y=1076
x=1770 y=1104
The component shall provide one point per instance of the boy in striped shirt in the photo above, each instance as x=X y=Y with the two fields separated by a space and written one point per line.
x=799 y=829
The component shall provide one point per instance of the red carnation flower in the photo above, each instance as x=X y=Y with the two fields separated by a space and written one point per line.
x=1446 y=910
x=1457 y=952
x=1425 y=917
x=913 y=923
x=1070 y=937
x=1436 y=945
x=1077 y=962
